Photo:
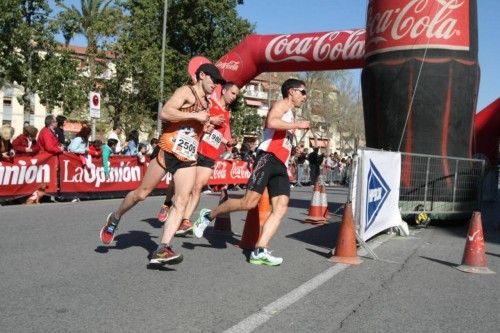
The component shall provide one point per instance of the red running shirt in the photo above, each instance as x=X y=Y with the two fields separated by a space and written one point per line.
x=211 y=144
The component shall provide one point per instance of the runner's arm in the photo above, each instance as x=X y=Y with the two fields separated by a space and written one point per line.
x=274 y=120
x=171 y=112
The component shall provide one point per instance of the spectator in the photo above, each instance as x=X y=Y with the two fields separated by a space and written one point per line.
x=107 y=150
x=26 y=142
x=141 y=153
x=132 y=142
x=26 y=123
x=6 y=151
x=152 y=146
x=47 y=139
x=59 y=130
x=115 y=134
x=315 y=161
x=301 y=166
x=80 y=143
x=95 y=149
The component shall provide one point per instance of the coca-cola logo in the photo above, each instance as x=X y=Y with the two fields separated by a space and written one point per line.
x=231 y=65
x=329 y=46
x=219 y=170
x=230 y=62
x=417 y=24
x=240 y=171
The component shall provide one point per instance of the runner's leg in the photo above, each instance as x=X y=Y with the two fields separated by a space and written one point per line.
x=184 y=179
x=153 y=176
x=279 y=208
x=202 y=176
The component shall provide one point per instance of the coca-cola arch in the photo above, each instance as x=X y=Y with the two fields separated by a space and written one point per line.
x=420 y=72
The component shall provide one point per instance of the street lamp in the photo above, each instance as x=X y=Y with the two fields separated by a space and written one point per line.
x=162 y=71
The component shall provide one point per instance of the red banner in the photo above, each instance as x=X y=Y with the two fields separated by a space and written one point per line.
x=25 y=174
x=125 y=174
x=230 y=172
x=405 y=25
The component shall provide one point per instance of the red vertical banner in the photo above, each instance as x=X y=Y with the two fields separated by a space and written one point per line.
x=22 y=175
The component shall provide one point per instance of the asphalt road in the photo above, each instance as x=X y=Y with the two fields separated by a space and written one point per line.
x=55 y=276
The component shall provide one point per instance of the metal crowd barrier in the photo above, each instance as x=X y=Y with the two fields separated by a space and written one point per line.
x=445 y=187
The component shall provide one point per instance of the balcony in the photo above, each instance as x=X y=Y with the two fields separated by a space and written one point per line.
x=255 y=94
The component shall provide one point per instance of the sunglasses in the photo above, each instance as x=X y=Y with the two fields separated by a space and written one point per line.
x=302 y=91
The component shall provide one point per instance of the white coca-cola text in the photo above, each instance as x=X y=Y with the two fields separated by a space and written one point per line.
x=230 y=65
x=411 y=21
x=330 y=46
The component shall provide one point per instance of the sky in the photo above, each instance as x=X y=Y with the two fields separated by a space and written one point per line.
x=327 y=15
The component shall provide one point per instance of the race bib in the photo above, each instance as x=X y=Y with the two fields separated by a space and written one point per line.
x=214 y=139
x=185 y=146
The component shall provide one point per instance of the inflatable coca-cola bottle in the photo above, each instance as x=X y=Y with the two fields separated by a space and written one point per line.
x=420 y=81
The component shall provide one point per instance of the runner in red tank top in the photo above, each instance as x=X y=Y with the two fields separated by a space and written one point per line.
x=269 y=171
x=187 y=114
x=210 y=148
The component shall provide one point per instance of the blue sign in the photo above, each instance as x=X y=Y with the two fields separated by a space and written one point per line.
x=377 y=193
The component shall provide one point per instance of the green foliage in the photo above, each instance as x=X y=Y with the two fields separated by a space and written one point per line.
x=245 y=120
x=208 y=28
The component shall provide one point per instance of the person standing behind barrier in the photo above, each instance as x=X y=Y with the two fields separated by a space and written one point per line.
x=47 y=138
x=59 y=130
x=115 y=134
x=107 y=150
x=270 y=170
x=301 y=159
x=25 y=143
x=187 y=115
x=6 y=150
x=132 y=143
x=315 y=161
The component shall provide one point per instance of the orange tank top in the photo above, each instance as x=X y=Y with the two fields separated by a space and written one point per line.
x=182 y=138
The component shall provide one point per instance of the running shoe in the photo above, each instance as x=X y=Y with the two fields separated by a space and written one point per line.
x=107 y=233
x=163 y=214
x=184 y=228
x=165 y=255
x=264 y=257
x=202 y=222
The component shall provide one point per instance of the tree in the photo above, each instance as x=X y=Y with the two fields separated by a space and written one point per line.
x=245 y=120
x=95 y=20
x=202 y=27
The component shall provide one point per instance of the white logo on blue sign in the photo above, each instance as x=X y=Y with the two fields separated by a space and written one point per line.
x=377 y=193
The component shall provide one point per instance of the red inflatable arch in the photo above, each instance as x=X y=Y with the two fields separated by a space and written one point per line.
x=420 y=71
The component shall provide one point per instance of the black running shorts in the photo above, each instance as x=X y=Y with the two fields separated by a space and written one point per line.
x=269 y=171
x=205 y=162
x=172 y=164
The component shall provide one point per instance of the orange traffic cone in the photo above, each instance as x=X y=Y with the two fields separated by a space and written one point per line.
x=474 y=259
x=316 y=211
x=256 y=218
x=324 y=202
x=345 y=251
x=223 y=221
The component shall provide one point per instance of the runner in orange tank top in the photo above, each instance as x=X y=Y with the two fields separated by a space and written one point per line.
x=209 y=150
x=187 y=115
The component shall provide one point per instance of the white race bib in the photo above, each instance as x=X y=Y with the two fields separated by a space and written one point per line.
x=185 y=146
x=214 y=139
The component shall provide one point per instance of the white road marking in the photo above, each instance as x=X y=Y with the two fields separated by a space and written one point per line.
x=267 y=312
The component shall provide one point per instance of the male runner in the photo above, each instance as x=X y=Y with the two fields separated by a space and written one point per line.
x=270 y=170
x=187 y=115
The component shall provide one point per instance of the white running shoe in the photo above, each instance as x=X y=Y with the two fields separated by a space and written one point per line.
x=265 y=258
x=201 y=222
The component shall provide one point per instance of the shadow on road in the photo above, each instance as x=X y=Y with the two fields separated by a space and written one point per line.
x=133 y=238
x=450 y=264
x=218 y=240
x=154 y=222
x=322 y=236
